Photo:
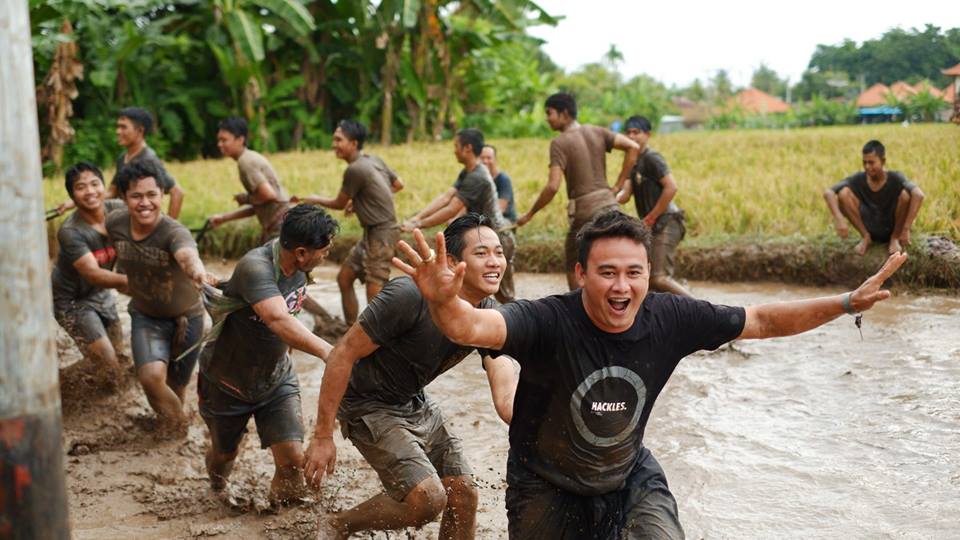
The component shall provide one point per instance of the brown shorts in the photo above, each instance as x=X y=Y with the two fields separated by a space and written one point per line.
x=370 y=257
x=86 y=322
x=579 y=213
x=667 y=234
x=406 y=444
x=507 y=292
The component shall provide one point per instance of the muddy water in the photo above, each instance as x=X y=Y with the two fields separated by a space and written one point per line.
x=821 y=435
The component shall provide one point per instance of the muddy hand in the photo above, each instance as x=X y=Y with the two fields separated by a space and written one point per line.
x=870 y=292
x=319 y=460
x=438 y=283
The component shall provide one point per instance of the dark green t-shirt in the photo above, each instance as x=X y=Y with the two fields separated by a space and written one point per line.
x=76 y=238
x=645 y=177
x=479 y=194
x=147 y=155
x=367 y=181
x=248 y=360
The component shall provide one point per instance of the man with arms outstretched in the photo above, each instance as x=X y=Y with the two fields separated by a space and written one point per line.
x=379 y=370
x=593 y=361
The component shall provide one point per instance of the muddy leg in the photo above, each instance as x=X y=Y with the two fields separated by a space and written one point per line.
x=348 y=298
x=219 y=467
x=287 y=484
x=381 y=512
x=163 y=399
x=460 y=515
x=850 y=208
x=900 y=220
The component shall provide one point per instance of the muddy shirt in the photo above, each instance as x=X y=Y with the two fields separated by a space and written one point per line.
x=505 y=191
x=580 y=152
x=147 y=155
x=254 y=170
x=645 y=177
x=585 y=395
x=157 y=285
x=367 y=181
x=412 y=351
x=76 y=238
x=479 y=194
x=248 y=360
x=877 y=203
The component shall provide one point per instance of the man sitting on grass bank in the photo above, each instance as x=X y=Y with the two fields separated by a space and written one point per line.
x=593 y=361
x=379 y=370
x=882 y=205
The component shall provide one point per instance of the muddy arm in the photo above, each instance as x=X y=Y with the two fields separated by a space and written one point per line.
x=632 y=149
x=274 y=313
x=503 y=374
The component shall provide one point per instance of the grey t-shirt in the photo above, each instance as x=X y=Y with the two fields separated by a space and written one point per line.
x=147 y=155
x=76 y=238
x=505 y=191
x=254 y=170
x=882 y=202
x=367 y=181
x=412 y=351
x=248 y=360
x=157 y=285
x=645 y=177
x=479 y=194
x=581 y=153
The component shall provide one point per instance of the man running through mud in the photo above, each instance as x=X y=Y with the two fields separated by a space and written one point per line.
x=164 y=271
x=368 y=187
x=593 y=361
x=473 y=191
x=579 y=155
x=652 y=185
x=880 y=204
x=379 y=369
x=83 y=274
x=247 y=371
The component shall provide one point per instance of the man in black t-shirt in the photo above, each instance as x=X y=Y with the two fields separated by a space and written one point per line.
x=247 y=371
x=593 y=361
x=374 y=384
x=882 y=205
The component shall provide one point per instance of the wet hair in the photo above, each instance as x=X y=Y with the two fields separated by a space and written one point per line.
x=874 y=146
x=354 y=131
x=492 y=147
x=611 y=224
x=308 y=226
x=471 y=137
x=562 y=101
x=74 y=172
x=139 y=117
x=134 y=171
x=638 y=122
x=454 y=233
x=235 y=126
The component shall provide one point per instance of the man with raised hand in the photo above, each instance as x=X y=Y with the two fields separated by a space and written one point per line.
x=593 y=361
x=164 y=271
x=374 y=384
x=247 y=371
x=83 y=273
x=579 y=155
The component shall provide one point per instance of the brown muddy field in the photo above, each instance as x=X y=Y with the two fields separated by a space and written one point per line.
x=819 y=435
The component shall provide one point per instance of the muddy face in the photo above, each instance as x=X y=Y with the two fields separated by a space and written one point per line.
x=88 y=191
x=144 y=198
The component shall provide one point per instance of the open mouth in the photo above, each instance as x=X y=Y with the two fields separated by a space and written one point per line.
x=618 y=305
x=492 y=277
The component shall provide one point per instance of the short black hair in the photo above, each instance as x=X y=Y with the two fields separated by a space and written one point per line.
x=74 y=172
x=235 y=126
x=471 y=137
x=638 y=122
x=562 y=101
x=454 y=233
x=874 y=146
x=309 y=226
x=134 y=171
x=140 y=118
x=354 y=131
x=611 y=224
x=492 y=147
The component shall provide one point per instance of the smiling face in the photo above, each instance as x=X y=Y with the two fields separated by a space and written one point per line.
x=485 y=262
x=488 y=158
x=343 y=146
x=229 y=144
x=614 y=283
x=88 y=191
x=144 y=199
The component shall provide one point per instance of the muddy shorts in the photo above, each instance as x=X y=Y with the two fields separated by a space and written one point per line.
x=507 y=292
x=579 y=212
x=158 y=340
x=643 y=508
x=86 y=322
x=278 y=415
x=668 y=231
x=879 y=225
x=370 y=257
x=406 y=444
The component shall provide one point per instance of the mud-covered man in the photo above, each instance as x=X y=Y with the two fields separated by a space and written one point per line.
x=593 y=361
x=379 y=370
x=247 y=371
x=83 y=274
x=164 y=272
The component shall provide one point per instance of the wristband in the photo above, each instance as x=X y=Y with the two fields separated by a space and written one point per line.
x=847 y=308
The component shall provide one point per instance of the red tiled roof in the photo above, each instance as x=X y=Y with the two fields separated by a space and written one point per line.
x=926 y=86
x=758 y=101
x=950 y=93
x=955 y=71
x=874 y=96
x=902 y=90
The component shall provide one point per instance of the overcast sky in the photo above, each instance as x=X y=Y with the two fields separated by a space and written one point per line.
x=678 y=41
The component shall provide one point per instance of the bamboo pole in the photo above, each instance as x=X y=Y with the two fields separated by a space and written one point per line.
x=33 y=500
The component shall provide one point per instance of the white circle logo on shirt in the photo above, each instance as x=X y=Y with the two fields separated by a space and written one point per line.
x=615 y=376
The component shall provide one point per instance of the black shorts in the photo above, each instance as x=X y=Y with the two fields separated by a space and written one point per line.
x=278 y=415
x=86 y=322
x=643 y=508
x=879 y=224
x=155 y=340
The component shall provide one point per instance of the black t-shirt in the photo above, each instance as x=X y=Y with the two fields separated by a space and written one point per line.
x=585 y=395
x=878 y=203
x=248 y=360
x=646 y=175
x=76 y=238
x=412 y=351
x=505 y=191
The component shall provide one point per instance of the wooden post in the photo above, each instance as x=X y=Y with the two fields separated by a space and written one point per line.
x=33 y=501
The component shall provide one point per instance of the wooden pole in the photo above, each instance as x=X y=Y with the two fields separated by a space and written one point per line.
x=33 y=501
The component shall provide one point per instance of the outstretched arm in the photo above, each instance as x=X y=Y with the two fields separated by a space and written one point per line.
x=503 y=373
x=443 y=214
x=546 y=195
x=91 y=272
x=189 y=260
x=632 y=149
x=436 y=204
x=789 y=318
x=338 y=203
x=219 y=219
